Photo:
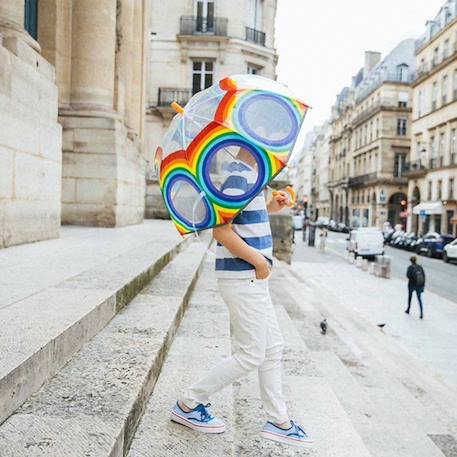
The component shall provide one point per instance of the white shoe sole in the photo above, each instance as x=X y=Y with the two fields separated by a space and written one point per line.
x=285 y=440
x=199 y=428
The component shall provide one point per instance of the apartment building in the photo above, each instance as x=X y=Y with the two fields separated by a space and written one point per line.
x=432 y=171
x=381 y=129
x=370 y=141
x=193 y=45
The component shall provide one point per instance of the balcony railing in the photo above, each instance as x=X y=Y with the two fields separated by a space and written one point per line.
x=167 y=95
x=255 y=36
x=362 y=179
x=414 y=167
x=197 y=25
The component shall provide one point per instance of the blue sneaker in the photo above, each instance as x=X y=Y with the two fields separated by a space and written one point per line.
x=198 y=419
x=295 y=435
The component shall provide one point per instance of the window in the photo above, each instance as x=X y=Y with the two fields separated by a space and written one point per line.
x=434 y=95
x=377 y=128
x=455 y=85
x=202 y=75
x=255 y=14
x=420 y=103
x=400 y=162
x=446 y=49
x=444 y=88
x=205 y=16
x=402 y=126
x=441 y=149
x=252 y=70
x=453 y=146
x=435 y=57
x=429 y=190
x=432 y=146
x=451 y=189
x=439 y=189
x=31 y=17
x=403 y=72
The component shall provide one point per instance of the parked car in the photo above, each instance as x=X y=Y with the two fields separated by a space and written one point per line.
x=410 y=242
x=332 y=226
x=366 y=242
x=450 y=252
x=343 y=228
x=323 y=222
x=433 y=244
x=396 y=237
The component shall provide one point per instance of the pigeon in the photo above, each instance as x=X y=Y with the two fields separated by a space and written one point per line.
x=324 y=326
x=381 y=325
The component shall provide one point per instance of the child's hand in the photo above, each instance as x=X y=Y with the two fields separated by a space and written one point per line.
x=262 y=268
x=279 y=200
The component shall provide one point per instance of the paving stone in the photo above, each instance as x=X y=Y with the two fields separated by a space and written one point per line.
x=92 y=406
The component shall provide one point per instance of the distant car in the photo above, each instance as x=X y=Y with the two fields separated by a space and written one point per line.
x=410 y=241
x=395 y=238
x=450 y=252
x=433 y=244
x=332 y=226
x=366 y=242
x=323 y=222
x=343 y=228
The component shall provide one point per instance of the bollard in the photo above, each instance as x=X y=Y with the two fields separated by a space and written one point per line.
x=371 y=268
x=351 y=257
x=383 y=263
x=365 y=264
x=358 y=262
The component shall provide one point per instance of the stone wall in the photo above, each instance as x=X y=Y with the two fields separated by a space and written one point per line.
x=30 y=144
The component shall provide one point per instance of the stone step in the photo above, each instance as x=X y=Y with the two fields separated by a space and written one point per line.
x=47 y=327
x=92 y=406
x=202 y=339
x=311 y=402
x=366 y=388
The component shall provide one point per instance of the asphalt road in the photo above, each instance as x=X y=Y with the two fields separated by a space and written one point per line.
x=441 y=278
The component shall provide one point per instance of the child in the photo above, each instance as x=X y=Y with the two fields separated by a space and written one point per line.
x=244 y=260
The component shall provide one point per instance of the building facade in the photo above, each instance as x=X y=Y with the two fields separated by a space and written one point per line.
x=193 y=45
x=322 y=158
x=370 y=141
x=433 y=167
x=72 y=83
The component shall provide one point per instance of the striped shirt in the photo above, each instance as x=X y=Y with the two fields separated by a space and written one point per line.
x=252 y=225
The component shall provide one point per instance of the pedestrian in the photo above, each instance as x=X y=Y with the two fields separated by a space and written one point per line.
x=305 y=226
x=416 y=283
x=243 y=265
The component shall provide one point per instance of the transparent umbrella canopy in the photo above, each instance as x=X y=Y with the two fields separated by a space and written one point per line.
x=244 y=125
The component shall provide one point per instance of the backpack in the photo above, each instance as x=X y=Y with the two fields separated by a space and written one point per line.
x=419 y=276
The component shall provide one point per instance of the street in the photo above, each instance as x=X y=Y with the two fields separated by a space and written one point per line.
x=441 y=276
x=382 y=301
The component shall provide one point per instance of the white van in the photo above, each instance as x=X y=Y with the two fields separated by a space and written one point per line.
x=366 y=242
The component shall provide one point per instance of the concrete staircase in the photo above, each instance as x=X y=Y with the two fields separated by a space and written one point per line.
x=92 y=405
x=356 y=391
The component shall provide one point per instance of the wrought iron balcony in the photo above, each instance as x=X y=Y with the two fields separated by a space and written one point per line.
x=255 y=36
x=167 y=95
x=197 y=25
x=414 y=168
x=362 y=179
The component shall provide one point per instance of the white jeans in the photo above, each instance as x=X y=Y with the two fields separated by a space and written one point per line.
x=256 y=344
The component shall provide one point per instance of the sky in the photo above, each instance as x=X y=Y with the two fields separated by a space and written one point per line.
x=321 y=43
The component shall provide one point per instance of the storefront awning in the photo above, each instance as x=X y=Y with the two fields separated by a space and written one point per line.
x=428 y=208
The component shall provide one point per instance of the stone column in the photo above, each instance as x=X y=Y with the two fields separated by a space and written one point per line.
x=12 y=14
x=93 y=50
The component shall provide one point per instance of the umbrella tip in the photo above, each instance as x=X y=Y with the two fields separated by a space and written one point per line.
x=177 y=107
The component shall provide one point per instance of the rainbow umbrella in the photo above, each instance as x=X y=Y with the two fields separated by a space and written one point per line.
x=243 y=123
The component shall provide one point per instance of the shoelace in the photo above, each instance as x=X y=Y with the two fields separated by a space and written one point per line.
x=298 y=430
x=205 y=416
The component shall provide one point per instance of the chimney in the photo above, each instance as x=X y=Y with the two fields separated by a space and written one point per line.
x=371 y=59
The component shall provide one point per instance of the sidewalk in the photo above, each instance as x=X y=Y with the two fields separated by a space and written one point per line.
x=432 y=340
